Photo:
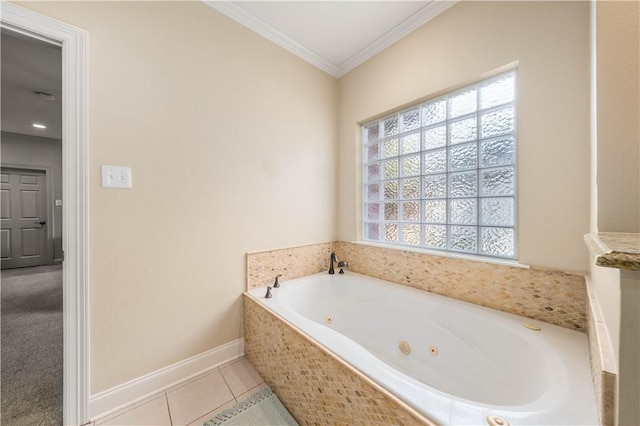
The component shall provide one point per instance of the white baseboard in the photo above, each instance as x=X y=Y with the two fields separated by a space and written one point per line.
x=128 y=393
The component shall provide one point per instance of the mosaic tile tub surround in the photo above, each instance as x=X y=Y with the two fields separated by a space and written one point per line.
x=545 y=295
x=295 y=262
x=318 y=388
x=602 y=364
x=314 y=385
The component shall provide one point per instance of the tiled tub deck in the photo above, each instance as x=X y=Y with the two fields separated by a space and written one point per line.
x=319 y=388
x=314 y=385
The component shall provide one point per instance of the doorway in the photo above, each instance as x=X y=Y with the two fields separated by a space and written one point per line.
x=74 y=244
x=31 y=302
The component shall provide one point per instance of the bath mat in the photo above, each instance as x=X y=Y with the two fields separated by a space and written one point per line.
x=263 y=408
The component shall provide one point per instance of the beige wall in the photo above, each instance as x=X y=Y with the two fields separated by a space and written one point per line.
x=232 y=141
x=551 y=42
x=232 y=144
x=616 y=184
x=616 y=143
x=618 y=102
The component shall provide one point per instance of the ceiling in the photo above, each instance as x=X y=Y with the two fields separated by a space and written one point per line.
x=30 y=66
x=335 y=36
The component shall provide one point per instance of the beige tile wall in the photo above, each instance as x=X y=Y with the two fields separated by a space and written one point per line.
x=315 y=386
x=545 y=295
x=603 y=371
x=607 y=406
x=294 y=262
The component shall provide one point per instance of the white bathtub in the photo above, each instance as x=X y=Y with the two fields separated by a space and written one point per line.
x=465 y=363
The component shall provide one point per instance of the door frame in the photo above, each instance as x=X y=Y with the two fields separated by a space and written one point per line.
x=75 y=236
x=49 y=187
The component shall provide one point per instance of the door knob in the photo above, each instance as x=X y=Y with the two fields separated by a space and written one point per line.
x=41 y=223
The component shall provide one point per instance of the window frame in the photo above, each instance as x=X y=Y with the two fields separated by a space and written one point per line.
x=477 y=142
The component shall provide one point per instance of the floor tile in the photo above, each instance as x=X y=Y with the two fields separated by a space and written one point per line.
x=154 y=412
x=213 y=413
x=250 y=392
x=241 y=376
x=197 y=398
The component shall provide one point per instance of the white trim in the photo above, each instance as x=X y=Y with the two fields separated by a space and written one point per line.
x=260 y=27
x=255 y=24
x=602 y=347
x=106 y=402
x=74 y=192
x=424 y=15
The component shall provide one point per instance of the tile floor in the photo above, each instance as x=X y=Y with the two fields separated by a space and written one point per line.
x=192 y=402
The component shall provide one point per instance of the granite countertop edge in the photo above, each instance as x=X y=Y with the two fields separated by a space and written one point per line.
x=615 y=249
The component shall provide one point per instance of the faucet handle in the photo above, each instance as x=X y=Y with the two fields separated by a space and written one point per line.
x=276 y=283
x=268 y=295
x=342 y=264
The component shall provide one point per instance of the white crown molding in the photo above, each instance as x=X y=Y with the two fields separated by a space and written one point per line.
x=412 y=23
x=256 y=25
x=242 y=16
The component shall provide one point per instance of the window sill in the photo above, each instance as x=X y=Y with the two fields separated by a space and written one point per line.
x=451 y=255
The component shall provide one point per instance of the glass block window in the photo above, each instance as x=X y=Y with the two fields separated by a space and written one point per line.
x=442 y=174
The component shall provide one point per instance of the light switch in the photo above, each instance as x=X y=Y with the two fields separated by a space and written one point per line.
x=58 y=203
x=116 y=177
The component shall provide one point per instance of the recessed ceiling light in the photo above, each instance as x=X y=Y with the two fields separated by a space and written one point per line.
x=39 y=126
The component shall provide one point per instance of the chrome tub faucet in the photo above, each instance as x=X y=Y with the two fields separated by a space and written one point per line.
x=334 y=259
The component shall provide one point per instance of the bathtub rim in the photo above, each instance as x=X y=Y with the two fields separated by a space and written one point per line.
x=517 y=410
x=510 y=323
x=439 y=394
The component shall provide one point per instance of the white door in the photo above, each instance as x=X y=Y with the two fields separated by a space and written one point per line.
x=23 y=215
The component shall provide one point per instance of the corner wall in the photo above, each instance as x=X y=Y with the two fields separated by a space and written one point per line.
x=550 y=41
x=618 y=109
x=615 y=188
x=232 y=144
x=615 y=178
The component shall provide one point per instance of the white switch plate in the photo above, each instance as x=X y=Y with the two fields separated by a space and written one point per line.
x=58 y=203
x=116 y=177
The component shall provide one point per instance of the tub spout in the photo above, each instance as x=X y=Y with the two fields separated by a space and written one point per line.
x=333 y=259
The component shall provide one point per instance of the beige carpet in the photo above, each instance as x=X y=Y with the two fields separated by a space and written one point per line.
x=31 y=363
